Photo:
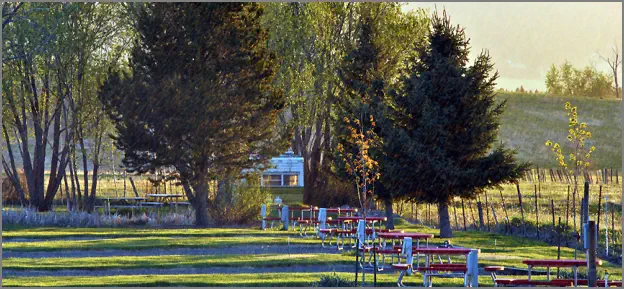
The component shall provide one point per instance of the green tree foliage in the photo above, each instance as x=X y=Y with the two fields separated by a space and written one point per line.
x=311 y=40
x=199 y=98
x=567 y=80
x=446 y=122
x=54 y=55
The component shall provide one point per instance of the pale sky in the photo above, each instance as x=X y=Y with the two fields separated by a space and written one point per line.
x=524 y=39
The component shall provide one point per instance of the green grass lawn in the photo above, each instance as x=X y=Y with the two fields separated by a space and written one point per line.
x=47 y=232
x=496 y=249
x=226 y=280
x=174 y=261
x=139 y=243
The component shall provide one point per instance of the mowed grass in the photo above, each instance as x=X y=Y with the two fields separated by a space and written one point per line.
x=531 y=119
x=174 y=261
x=503 y=250
x=226 y=280
x=47 y=232
x=141 y=243
x=495 y=249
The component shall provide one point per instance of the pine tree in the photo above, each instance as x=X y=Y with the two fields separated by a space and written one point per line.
x=199 y=97
x=446 y=123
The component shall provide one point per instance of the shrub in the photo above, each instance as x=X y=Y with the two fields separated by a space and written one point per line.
x=9 y=192
x=333 y=281
x=238 y=202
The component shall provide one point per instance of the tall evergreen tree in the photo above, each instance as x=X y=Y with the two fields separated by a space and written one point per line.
x=446 y=121
x=199 y=97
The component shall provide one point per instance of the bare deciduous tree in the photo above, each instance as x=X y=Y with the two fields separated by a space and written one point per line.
x=614 y=64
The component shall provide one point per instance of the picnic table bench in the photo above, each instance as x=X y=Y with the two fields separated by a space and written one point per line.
x=574 y=264
x=121 y=203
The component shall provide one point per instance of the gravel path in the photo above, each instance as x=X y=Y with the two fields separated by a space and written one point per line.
x=248 y=249
x=172 y=271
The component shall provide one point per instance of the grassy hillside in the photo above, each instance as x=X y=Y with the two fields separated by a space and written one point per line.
x=529 y=120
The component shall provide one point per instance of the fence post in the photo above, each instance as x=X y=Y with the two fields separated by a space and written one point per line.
x=606 y=225
x=504 y=207
x=599 y=203
x=494 y=214
x=591 y=254
x=536 y=215
x=455 y=213
x=552 y=209
x=480 y=208
x=474 y=221
x=611 y=172
x=521 y=209
x=463 y=214
x=125 y=183
x=487 y=212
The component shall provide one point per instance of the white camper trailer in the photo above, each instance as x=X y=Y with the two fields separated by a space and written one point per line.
x=286 y=171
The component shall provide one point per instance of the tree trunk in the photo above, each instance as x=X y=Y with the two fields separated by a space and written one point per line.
x=389 y=214
x=445 y=221
x=198 y=197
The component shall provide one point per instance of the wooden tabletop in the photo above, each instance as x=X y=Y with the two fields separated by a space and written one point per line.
x=401 y=235
x=164 y=196
x=360 y=218
x=442 y=251
x=338 y=210
x=559 y=263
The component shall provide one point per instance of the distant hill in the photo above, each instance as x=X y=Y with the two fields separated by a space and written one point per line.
x=531 y=119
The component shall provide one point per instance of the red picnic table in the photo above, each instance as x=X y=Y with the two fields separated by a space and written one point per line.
x=430 y=270
x=396 y=250
x=558 y=264
x=368 y=219
x=339 y=210
x=400 y=235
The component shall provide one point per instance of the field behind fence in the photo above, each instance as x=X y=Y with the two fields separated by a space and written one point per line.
x=531 y=207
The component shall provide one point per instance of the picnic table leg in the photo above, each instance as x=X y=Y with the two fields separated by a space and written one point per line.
x=400 y=280
x=425 y=275
x=575 y=276
x=529 y=277
x=548 y=273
